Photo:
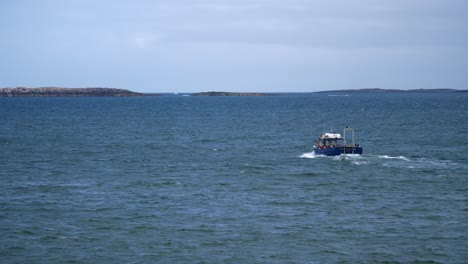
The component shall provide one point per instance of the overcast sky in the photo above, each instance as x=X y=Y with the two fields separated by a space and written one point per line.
x=234 y=45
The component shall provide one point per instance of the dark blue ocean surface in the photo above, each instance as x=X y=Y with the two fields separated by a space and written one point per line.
x=233 y=180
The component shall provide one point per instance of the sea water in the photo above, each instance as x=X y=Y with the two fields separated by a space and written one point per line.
x=177 y=179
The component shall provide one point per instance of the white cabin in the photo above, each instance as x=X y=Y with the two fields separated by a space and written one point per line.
x=331 y=135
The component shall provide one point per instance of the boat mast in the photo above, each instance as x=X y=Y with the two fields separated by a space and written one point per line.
x=352 y=139
x=344 y=140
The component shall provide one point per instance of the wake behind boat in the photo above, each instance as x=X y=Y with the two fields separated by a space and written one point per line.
x=332 y=144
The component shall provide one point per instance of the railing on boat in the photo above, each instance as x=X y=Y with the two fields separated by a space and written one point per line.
x=345 y=142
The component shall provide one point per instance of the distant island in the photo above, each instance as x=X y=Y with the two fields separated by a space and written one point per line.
x=230 y=94
x=114 y=92
x=64 y=92
x=380 y=90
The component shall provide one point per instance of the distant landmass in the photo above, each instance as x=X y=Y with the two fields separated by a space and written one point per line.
x=98 y=91
x=380 y=90
x=64 y=92
x=230 y=94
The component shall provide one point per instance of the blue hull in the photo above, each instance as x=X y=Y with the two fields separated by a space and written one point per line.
x=336 y=151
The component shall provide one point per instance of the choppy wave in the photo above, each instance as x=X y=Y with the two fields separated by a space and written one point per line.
x=417 y=163
x=355 y=159
x=388 y=161
x=171 y=180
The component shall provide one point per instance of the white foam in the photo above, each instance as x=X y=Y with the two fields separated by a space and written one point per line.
x=351 y=155
x=309 y=155
x=359 y=162
x=312 y=155
x=346 y=156
x=390 y=157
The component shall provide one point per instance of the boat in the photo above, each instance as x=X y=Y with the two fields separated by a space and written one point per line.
x=332 y=144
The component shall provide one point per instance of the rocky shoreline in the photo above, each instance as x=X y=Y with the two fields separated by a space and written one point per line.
x=64 y=92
